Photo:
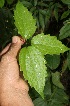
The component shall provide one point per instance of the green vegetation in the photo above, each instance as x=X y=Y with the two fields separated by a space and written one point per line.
x=45 y=56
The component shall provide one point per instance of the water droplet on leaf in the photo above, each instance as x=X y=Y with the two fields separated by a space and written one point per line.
x=36 y=66
x=28 y=57
x=39 y=73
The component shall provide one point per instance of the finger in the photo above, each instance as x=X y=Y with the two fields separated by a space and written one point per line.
x=5 y=49
x=15 y=46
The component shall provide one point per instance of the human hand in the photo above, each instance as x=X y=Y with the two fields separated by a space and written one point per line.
x=13 y=90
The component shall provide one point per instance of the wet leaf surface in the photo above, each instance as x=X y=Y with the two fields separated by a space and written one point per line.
x=32 y=63
x=48 y=44
x=24 y=21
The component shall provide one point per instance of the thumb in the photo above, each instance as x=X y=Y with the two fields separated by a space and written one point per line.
x=15 y=46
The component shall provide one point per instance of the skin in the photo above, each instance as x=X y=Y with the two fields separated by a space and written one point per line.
x=13 y=90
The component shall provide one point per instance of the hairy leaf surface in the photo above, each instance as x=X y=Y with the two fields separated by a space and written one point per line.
x=24 y=21
x=48 y=44
x=32 y=63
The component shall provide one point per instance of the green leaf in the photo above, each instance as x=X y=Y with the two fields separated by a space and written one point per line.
x=42 y=4
x=65 y=14
x=65 y=30
x=44 y=12
x=47 y=88
x=24 y=21
x=27 y=4
x=55 y=103
x=56 y=80
x=48 y=13
x=37 y=22
x=68 y=60
x=2 y=3
x=41 y=21
x=59 y=5
x=35 y=2
x=69 y=6
x=32 y=63
x=66 y=1
x=53 y=61
x=33 y=9
x=48 y=44
x=56 y=12
x=47 y=17
x=9 y=1
x=40 y=102
x=58 y=98
x=64 y=66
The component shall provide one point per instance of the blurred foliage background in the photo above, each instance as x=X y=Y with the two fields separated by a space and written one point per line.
x=52 y=17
